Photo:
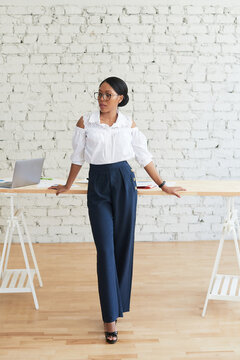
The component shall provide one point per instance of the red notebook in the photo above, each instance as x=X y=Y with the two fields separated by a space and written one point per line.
x=146 y=184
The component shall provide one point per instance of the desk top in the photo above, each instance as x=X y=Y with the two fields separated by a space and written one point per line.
x=193 y=187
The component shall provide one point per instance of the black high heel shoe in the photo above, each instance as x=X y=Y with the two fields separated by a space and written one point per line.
x=113 y=333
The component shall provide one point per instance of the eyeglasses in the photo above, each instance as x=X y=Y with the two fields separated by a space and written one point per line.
x=107 y=96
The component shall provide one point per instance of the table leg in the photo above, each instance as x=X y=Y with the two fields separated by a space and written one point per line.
x=12 y=225
x=224 y=287
x=31 y=249
x=13 y=280
x=4 y=248
x=30 y=279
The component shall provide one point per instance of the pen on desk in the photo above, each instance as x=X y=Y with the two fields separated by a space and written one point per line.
x=44 y=178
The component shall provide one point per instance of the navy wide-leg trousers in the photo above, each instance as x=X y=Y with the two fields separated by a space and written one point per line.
x=112 y=203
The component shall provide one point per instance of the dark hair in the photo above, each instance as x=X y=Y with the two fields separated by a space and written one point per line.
x=119 y=86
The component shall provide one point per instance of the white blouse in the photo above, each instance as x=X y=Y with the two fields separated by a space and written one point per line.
x=100 y=143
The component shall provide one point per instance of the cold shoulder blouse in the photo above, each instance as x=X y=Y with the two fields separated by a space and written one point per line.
x=100 y=143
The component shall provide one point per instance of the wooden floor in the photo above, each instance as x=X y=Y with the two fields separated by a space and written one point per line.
x=170 y=282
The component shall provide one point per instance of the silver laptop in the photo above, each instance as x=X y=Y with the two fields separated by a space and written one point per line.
x=26 y=172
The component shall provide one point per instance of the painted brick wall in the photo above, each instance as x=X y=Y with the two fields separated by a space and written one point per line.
x=181 y=64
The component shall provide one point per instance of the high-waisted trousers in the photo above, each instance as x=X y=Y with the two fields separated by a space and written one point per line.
x=112 y=203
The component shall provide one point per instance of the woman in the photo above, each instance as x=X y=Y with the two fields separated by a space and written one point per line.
x=106 y=139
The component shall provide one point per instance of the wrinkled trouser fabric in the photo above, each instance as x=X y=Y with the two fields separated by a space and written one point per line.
x=112 y=203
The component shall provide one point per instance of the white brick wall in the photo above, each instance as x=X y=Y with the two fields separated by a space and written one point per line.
x=180 y=61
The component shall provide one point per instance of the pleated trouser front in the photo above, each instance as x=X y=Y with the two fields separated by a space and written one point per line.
x=112 y=203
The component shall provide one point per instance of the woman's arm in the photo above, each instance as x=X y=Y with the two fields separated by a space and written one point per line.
x=74 y=170
x=150 y=168
x=152 y=172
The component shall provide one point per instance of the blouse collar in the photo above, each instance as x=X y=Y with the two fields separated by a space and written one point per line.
x=95 y=118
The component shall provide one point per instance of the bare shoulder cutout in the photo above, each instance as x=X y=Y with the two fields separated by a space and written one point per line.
x=133 y=124
x=80 y=123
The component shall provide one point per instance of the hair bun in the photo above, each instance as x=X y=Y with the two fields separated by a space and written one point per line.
x=124 y=101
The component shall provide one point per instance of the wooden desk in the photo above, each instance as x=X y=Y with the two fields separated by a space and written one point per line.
x=221 y=287
x=194 y=187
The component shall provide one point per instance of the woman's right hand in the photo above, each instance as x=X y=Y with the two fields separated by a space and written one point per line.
x=60 y=188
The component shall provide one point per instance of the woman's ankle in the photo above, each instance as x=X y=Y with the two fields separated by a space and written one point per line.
x=111 y=326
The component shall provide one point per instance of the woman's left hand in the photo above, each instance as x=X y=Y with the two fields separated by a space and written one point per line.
x=172 y=190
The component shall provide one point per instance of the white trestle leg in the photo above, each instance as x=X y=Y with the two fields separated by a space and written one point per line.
x=224 y=287
x=18 y=280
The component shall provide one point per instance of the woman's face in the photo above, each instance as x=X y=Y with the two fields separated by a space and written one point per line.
x=108 y=99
